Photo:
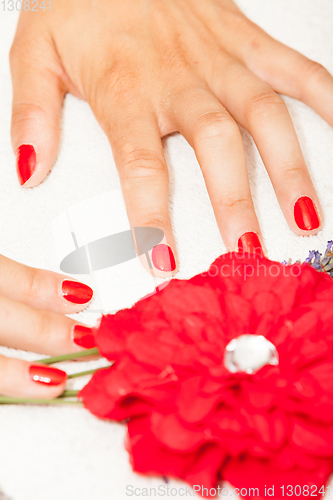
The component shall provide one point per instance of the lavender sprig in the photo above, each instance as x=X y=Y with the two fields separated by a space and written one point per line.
x=322 y=263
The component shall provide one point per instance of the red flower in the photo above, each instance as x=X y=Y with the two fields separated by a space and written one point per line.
x=188 y=416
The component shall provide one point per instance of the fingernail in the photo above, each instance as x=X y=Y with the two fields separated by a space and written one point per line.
x=163 y=258
x=249 y=242
x=305 y=214
x=47 y=375
x=76 y=292
x=25 y=162
x=84 y=336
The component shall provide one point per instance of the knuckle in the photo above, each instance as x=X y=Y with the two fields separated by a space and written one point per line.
x=24 y=112
x=155 y=219
x=44 y=324
x=4 y=361
x=173 y=57
x=116 y=84
x=13 y=53
x=27 y=49
x=6 y=311
x=264 y=103
x=32 y=283
x=233 y=202
x=18 y=51
x=248 y=30
x=213 y=124
x=142 y=163
x=121 y=82
x=313 y=71
x=240 y=21
x=293 y=172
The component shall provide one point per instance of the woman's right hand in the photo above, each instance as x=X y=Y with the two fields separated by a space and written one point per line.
x=33 y=304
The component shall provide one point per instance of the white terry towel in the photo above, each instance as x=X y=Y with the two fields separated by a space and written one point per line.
x=66 y=453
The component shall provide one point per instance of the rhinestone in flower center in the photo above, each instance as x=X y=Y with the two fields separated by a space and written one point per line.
x=248 y=353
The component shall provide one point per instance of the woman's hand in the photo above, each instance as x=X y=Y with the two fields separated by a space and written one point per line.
x=148 y=68
x=33 y=304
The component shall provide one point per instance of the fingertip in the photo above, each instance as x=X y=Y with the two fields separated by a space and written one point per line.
x=307 y=216
x=23 y=379
x=250 y=242
x=76 y=292
x=46 y=381
x=26 y=162
x=83 y=336
x=163 y=258
x=34 y=159
x=159 y=259
x=47 y=375
x=35 y=133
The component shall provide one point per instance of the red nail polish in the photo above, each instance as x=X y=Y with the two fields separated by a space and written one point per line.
x=249 y=242
x=25 y=162
x=76 y=292
x=163 y=258
x=47 y=375
x=84 y=336
x=305 y=214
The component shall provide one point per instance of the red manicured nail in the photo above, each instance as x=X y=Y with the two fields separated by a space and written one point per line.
x=84 y=336
x=163 y=258
x=249 y=242
x=305 y=214
x=76 y=292
x=25 y=162
x=47 y=375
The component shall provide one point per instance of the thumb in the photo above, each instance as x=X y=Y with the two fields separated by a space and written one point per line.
x=37 y=100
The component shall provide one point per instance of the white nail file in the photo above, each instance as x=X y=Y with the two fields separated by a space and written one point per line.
x=88 y=221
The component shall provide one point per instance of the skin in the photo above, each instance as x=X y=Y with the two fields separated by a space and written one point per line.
x=149 y=68
x=32 y=298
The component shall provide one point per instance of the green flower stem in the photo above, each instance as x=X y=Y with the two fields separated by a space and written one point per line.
x=20 y=401
x=69 y=394
x=87 y=372
x=68 y=357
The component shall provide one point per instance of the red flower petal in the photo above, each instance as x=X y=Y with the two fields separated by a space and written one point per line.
x=169 y=431
x=259 y=474
x=193 y=419
x=191 y=407
x=322 y=373
x=312 y=438
x=148 y=456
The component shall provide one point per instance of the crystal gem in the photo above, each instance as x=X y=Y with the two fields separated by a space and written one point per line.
x=248 y=353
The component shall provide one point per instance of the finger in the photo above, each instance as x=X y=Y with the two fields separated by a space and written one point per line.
x=37 y=100
x=137 y=149
x=287 y=71
x=218 y=145
x=262 y=112
x=42 y=289
x=23 y=327
x=21 y=379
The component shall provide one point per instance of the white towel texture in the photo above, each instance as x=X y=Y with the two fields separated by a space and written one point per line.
x=66 y=453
